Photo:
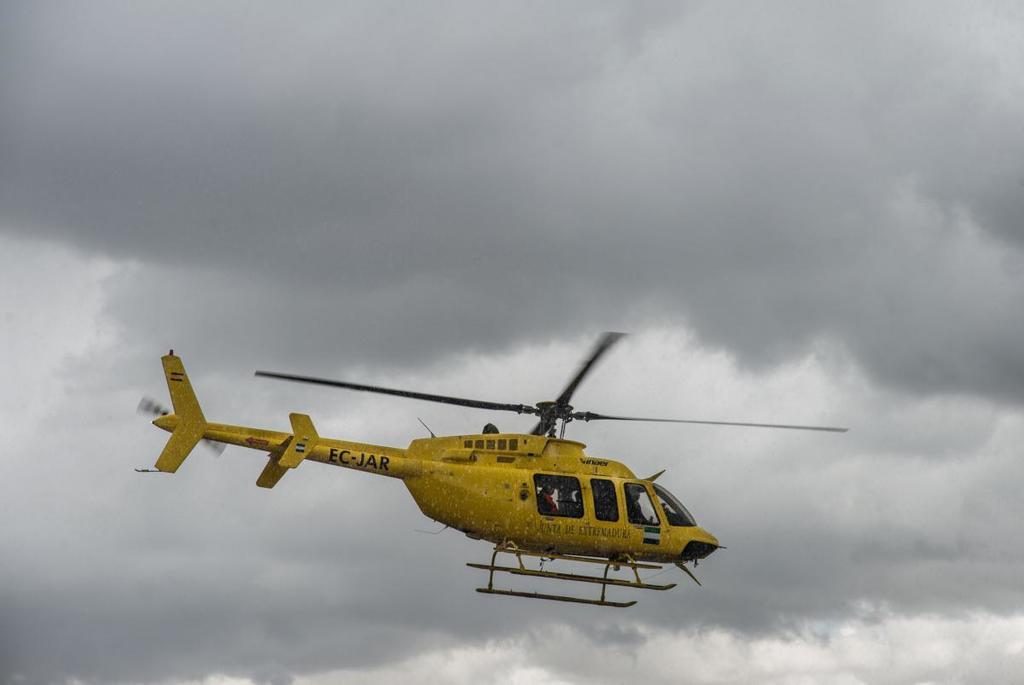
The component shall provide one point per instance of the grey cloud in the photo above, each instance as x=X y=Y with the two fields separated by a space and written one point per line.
x=442 y=170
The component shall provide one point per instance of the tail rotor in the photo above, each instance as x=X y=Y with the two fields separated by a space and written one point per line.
x=150 y=407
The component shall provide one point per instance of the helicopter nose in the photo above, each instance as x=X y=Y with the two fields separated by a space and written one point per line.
x=702 y=544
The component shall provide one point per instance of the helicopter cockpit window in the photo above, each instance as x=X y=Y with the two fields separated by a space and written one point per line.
x=639 y=507
x=558 y=496
x=675 y=512
x=606 y=505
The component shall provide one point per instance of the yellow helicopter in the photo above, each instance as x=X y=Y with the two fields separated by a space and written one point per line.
x=535 y=495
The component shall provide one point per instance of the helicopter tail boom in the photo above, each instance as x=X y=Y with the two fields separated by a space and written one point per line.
x=286 y=451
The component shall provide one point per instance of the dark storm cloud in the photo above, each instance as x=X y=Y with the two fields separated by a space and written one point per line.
x=805 y=173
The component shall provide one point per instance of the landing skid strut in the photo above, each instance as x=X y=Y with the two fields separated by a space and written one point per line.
x=604 y=581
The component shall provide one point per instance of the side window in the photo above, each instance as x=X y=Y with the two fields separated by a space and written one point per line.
x=606 y=504
x=639 y=508
x=558 y=495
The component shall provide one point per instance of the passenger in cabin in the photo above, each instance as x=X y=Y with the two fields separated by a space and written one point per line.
x=573 y=507
x=546 y=501
x=633 y=509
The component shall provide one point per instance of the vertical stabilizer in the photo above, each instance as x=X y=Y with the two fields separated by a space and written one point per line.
x=191 y=422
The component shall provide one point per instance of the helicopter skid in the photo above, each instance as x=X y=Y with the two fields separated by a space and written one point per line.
x=604 y=581
x=556 y=598
x=554 y=575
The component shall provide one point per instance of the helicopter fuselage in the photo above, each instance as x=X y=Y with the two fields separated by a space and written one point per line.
x=492 y=487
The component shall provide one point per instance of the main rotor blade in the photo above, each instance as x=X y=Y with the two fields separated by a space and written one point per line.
x=444 y=399
x=606 y=341
x=591 y=416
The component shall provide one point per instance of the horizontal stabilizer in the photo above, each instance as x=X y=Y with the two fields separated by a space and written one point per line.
x=303 y=441
x=272 y=473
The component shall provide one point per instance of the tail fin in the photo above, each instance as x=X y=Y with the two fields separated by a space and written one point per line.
x=191 y=423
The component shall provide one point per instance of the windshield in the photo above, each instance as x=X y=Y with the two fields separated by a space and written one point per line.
x=675 y=512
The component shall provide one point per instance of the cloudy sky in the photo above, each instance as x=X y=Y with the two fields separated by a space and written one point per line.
x=802 y=213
